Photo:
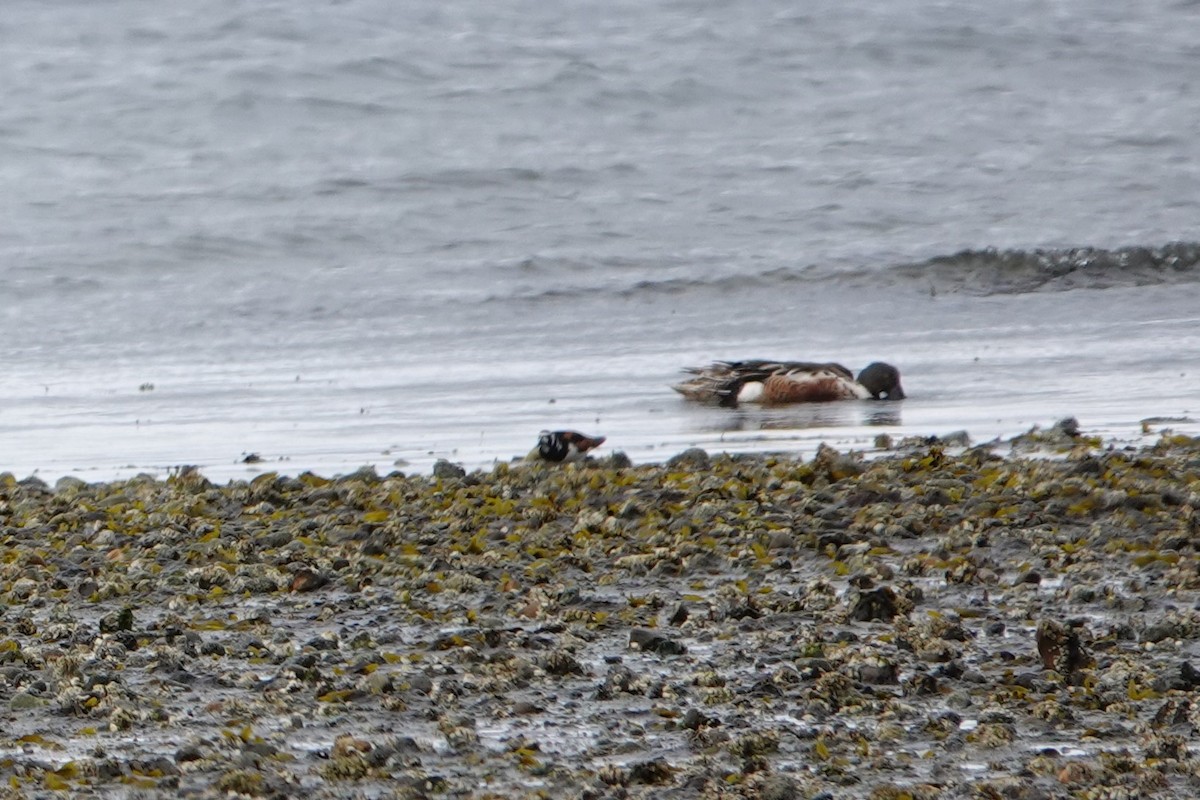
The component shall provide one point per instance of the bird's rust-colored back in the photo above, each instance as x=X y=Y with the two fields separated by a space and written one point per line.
x=817 y=386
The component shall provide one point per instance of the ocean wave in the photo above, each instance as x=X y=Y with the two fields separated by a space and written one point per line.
x=641 y=287
x=979 y=272
x=991 y=271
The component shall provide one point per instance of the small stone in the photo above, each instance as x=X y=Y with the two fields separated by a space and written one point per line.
x=1190 y=675
x=1157 y=632
x=347 y=745
x=189 y=752
x=560 y=663
x=879 y=674
x=876 y=604
x=375 y=546
x=212 y=649
x=617 y=460
x=650 y=642
x=956 y=439
x=23 y=701
x=326 y=641
x=694 y=459
x=117 y=621
x=379 y=683
x=364 y=474
x=922 y=684
x=446 y=470
x=1026 y=680
x=835 y=465
x=160 y=765
x=526 y=707
x=380 y=753
x=657 y=771
x=1068 y=426
x=1032 y=576
x=421 y=683
x=779 y=787
x=1171 y=713
x=306 y=580
x=69 y=484
x=34 y=483
x=1055 y=639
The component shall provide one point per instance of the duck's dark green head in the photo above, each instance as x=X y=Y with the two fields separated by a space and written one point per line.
x=882 y=381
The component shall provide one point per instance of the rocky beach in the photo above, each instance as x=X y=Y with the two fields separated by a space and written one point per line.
x=1017 y=620
x=298 y=247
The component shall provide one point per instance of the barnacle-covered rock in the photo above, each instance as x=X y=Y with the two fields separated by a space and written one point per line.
x=750 y=617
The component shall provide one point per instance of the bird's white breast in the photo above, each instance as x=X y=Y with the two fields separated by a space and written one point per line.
x=750 y=392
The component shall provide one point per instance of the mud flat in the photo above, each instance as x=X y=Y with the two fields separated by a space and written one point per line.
x=934 y=622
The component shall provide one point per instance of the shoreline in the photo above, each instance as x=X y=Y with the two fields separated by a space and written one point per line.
x=751 y=626
x=251 y=465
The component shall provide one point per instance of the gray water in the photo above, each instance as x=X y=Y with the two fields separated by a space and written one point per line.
x=380 y=233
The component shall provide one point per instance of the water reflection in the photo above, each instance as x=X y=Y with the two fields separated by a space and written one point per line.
x=797 y=417
x=890 y=417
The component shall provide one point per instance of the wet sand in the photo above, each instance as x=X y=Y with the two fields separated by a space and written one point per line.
x=937 y=621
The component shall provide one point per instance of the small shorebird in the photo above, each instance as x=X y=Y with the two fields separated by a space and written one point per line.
x=562 y=446
x=728 y=383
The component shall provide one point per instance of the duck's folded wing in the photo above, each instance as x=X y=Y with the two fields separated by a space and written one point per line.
x=813 y=384
x=721 y=381
x=717 y=381
x=801 y=367
x=703 y=383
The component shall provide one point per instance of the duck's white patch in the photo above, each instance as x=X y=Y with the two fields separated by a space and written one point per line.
x=858 y=389
x=750 y=392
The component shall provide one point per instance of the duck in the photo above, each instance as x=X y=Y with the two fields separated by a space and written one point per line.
x=728 y=383
x=564 y=446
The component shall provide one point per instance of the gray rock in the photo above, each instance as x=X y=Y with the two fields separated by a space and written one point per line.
x=694 y=458
x=446 y=470
x=23 y=701
x=68 y=484
x=779 y=787
x=617 y=460
x=651 y=642
x=421 y=683
x=379 y=683
x=878 y=674
x=956 y=439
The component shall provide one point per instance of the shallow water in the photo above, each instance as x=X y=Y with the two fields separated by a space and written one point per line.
x=370 y=234
x=992 y=366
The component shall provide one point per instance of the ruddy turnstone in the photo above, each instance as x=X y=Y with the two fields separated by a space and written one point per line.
x=563 y=446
